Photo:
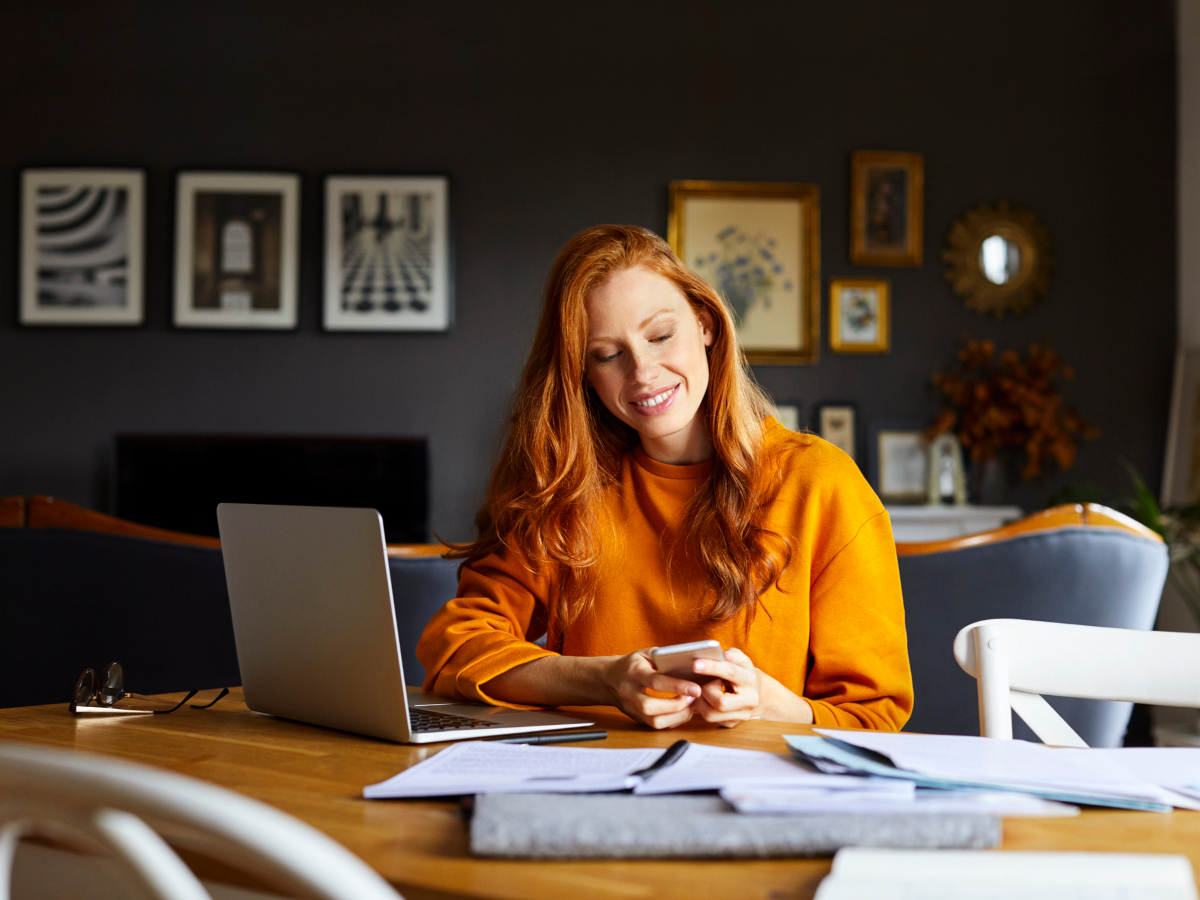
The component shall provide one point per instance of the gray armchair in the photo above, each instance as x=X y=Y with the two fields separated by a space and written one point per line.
x=1078 y=564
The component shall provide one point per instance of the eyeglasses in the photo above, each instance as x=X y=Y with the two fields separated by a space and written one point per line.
x=109 y=686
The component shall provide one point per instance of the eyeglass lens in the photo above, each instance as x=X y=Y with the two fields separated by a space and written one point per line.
x=112 y=684
x=85 y=687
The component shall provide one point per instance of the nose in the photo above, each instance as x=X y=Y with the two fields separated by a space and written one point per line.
x=643 y=368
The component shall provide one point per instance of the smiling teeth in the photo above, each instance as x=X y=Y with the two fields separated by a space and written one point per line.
x=654 y=401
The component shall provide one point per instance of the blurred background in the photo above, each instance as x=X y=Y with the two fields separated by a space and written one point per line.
x=550 y=117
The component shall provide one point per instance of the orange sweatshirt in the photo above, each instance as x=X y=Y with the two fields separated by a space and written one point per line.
x=831 y=630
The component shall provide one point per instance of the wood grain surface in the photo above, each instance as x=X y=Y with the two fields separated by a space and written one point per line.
x=317 y=775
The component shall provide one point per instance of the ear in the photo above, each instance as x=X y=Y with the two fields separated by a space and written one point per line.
x=707 y=331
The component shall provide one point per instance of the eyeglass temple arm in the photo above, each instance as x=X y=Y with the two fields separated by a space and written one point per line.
x=173 y=708
x=224 y=691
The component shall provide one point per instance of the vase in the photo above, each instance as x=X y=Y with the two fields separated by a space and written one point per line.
x=988 y=482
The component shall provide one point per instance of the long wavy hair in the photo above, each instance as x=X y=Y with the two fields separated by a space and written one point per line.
x=563 y=449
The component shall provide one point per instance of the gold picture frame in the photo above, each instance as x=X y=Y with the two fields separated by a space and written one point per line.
x=759 y=245
x=860 y=315
x=887 y=214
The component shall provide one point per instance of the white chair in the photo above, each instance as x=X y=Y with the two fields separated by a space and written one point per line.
x=1015 y=661
x=109 y=809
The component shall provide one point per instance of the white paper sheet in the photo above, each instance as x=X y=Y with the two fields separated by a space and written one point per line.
x=706 y=768
x=867 y=874
x=477 y=767
x=965 y=758
x=796 y=801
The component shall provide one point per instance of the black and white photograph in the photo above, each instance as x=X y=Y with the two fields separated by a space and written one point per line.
x=236 y=250
x=386 y=253
x=81 y=246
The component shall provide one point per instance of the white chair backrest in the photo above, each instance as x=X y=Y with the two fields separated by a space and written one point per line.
x=1015 y=661
x=123 y=810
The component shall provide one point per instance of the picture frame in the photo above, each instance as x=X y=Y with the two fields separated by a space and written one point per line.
x=1181 y=464
x=899 y=463
x=237 y=250
x=886 y=208
x=82 y=255
x=387 y=253
x=758 y=245
x=788 y=415
x=837 y=423
x=860 y=315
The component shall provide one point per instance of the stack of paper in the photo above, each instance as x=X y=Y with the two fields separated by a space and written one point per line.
x=867 y=874
x=1094 y=777
x=786 y=801
x=482 y=767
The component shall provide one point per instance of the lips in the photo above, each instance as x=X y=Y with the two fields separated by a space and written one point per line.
x=655 y=404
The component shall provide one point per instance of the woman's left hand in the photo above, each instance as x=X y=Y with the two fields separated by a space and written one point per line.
x=739 y=692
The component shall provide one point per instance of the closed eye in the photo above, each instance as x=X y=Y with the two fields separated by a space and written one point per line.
x=665 y=337
x=609 y=358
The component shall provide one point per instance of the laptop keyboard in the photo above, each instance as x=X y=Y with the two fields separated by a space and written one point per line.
x=425 y=720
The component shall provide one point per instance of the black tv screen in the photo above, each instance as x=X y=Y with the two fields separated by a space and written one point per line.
x=176 y=481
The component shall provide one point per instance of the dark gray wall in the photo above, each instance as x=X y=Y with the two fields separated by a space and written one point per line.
x=551 y=117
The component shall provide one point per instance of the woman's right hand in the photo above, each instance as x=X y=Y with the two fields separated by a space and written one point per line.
x=628 y=677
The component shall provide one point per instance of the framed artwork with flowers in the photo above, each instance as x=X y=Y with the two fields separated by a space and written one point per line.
x=758 y=245
x=886 y=208
x=860 y=319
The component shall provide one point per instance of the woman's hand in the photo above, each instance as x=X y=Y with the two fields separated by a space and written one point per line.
x=739 y=692
x=628 y=677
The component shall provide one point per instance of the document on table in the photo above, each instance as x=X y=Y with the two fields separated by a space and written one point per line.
x=481 y=767
x=706 y=768
x=958 y=761
x=477 y=767
x=788 y=801
x=868 y=874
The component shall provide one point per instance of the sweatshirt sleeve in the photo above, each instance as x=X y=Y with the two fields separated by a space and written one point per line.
x=859 y=674
x=486 y=630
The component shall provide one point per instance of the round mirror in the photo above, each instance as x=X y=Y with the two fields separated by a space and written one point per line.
x=998 y=259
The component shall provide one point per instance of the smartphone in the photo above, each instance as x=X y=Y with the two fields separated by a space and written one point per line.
x=676 y=660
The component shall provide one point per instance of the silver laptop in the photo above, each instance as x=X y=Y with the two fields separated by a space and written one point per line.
x=315 y=625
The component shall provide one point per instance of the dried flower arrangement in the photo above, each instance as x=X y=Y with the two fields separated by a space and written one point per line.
x=995 y=403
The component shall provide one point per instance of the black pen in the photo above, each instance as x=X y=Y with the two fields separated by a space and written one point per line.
x=554 y=738
x=670 y=755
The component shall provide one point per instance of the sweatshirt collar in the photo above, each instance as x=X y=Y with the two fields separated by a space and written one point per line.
x=664 y=470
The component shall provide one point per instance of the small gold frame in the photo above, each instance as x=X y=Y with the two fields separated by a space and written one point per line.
x=841 y=342
x=808 y=255
x=964 y=243
x=863 y=250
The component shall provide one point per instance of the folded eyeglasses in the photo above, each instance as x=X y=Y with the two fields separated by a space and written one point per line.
x=109 y=686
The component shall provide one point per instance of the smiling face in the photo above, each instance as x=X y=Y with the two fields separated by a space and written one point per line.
x=646 y=361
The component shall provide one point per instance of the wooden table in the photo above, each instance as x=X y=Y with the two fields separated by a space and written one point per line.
x=317 y=775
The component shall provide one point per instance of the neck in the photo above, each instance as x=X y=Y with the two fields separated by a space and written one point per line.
x=684 y=448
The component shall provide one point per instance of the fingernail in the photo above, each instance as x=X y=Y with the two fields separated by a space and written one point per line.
x=699 y=666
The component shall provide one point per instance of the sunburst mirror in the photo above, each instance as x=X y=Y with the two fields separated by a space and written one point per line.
x=998 y=259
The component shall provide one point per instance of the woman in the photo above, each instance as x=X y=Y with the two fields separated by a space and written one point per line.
x=645 y=497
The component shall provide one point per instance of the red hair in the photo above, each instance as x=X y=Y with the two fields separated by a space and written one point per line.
x=564 y=448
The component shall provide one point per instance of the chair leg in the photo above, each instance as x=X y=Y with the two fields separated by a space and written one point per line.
x=995 y=713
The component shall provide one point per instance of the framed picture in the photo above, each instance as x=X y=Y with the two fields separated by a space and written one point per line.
x=1181 y=468
x=788 y=415
x=900 y=464
x=82 y=246
x=758 y=245
x=837 y=423
x=387 y=254
x=860 y=319
x=886 y=208
x=236 y=250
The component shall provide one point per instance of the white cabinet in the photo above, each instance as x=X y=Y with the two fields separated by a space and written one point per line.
x=937 y=523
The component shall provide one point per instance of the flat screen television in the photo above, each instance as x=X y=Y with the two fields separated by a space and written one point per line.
x=176 y=481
